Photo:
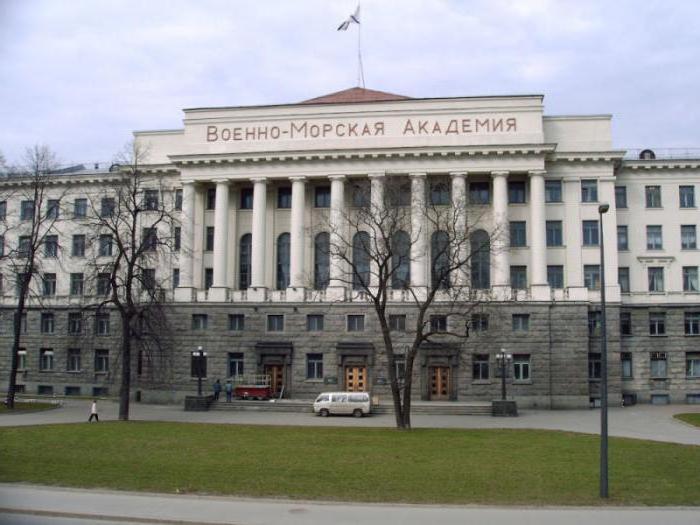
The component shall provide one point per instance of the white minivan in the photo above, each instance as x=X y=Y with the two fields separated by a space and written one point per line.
x=355 y=403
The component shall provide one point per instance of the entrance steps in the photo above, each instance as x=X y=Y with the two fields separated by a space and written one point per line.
x=436 y=408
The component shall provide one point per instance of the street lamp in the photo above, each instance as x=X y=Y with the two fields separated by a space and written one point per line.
x=199 y=355
x=602 y=209
x=503 y=359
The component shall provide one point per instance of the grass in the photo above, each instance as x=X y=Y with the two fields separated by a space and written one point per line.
x=21 y=407
x=691 y=418
x=350 y=464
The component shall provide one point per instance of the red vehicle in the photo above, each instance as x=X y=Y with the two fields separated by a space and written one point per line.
x=252 y=387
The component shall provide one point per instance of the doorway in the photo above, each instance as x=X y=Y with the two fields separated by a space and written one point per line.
x=355 y=378
x=439 y=383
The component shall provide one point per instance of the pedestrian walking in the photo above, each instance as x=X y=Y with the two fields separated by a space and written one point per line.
x=93 y=412
x=217 y=390
x=229 y=391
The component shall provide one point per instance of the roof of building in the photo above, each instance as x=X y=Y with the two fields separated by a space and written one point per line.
x=355 y=94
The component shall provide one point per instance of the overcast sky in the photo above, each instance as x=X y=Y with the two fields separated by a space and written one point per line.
x=80 y=75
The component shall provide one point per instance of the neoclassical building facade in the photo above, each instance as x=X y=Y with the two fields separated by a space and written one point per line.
x=261 y=192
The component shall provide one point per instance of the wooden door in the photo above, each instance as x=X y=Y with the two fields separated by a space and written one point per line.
x=355 y=378
x=276 y=373
x=439 y=383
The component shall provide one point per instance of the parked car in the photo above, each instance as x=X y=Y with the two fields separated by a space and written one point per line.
x=355 y=403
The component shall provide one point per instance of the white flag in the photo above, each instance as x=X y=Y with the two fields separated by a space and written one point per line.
x=353 y=18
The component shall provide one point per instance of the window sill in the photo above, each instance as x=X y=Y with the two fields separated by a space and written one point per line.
x=658 y=378
x=523 y=382
x=627 y=378
x=692 y=378
x=658 y=335
x=74 y=372
x=481 y=382
x=315 y=381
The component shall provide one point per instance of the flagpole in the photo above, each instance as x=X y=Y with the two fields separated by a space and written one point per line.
x=360 y=69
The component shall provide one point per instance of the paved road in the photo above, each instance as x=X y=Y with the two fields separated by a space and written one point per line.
x=41 y=505
x=641 y=421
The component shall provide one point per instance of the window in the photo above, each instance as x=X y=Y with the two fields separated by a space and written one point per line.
x=235 y=364
x=105 y=248
x=623 y=279
x=78 y=246
x=209 y=239
x=75 y=323
x=150 y=199
x=100 y=391
x=625 y=323
x=480 y=260
x=400 y=193
x=47 y=323
x=49 y=285
x=688 y=237
x=397 y=322
x=3 y=210
x=657 y=323
x=361 y=194
x=211 y=199
x=244 y=261
x=199 y=321
x=690 y=279
x=52 y=209
x=479 y=193
x=101 y=361
x=246 y=198
x=518 y=277
x=620 y=196
x=177 y=238
x=73 y=360
x=555 y=276
x=148 y=279
x=178 y=200
x=356 y=323
x=438 y=323
x=198 y=364
x=521 y=322
x=2 y=245
x=50 y=245
x=314 y=366
x=518 y=234
x=552 y=191
x=150 y=239
x=554 y=233
x=589 y=190
x=594 y=319
x=23 y=323
x=521 y=367
x=656 y=279
x=80 y=208
x=692 y=323
x=44 y=390
x=626 y=365
x=284 y=197
x=23 y=246
x=516 y=192
x=176 y=277
x=103 y=284
x=77 y=282
x=236 y=322
x=440 y=260
x=400 y=260
x=400 y=367
x=21 y=359
x=208 y=278
x=653 y=196
x=321 y=260
x=26 y=212
x=594 y=366
x=283 y=256
x=439 y=193
x=106 y=207
x=46 y=359
x=687 y=196
x=654 y=238
x=622 y=238
x=590 y=233
x=314 y=323
x=275 y=323
x=692 y=364
x=480 y=367
x=102 y=324
x=658 y=364
x=480 y=322
x=360 y=260
x=591 y=276
x=322 y=197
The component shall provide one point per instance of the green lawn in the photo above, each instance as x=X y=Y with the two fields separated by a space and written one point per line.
x=692 y=418
x=21 y=406
x=351 y=464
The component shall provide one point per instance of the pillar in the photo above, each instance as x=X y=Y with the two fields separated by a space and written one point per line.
x=538 y=245
x=259 y=233
x=219 y=290
x=338 y=239
x=296 y=264
x=419 y=231
x=185 y=290
x=501 y=259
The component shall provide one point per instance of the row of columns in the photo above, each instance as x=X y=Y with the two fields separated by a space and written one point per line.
x=419 y=248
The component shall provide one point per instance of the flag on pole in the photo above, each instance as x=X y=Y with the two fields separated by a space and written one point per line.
x=353 y=18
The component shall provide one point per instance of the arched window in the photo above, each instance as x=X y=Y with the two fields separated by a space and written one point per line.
x=440 y=259
x=400 y=260
x=480 y=260
x=360 y=260
x=244 y=261
x=283 y=261
x=321 y=261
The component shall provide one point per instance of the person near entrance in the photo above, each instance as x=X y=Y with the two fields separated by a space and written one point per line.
x=93 y=412
x=229 y=391
x=217 y=390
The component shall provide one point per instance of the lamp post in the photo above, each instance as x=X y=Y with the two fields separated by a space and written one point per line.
x=503 y=359
x=199 y=355
x=602 y=209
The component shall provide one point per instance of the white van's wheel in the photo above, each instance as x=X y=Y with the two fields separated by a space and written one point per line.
x=357 y=412
x=323 y=412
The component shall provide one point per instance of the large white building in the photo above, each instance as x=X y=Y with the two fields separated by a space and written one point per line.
x=260 y=187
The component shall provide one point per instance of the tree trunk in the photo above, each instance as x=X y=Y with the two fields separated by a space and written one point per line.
x=125 y=388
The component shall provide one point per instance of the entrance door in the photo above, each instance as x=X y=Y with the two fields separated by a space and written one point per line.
x=439 y=383
x=276 y=374
x=355 y=378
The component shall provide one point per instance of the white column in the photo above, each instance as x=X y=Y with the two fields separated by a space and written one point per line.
x=538 y=246
x=338 y=238
x=184 y=291
x=573 y=270
x=460 y=240
x=221 y=233
x=259 y=233
x=419 y=231
x=501 y=264
x=378 y=211
x=296 y=264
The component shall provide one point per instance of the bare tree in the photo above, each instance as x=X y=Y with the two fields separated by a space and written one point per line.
x=375 y=246
x=34 y=221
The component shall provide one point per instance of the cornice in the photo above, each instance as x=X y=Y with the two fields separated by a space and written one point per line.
x=660 y=164
x=586 y=156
